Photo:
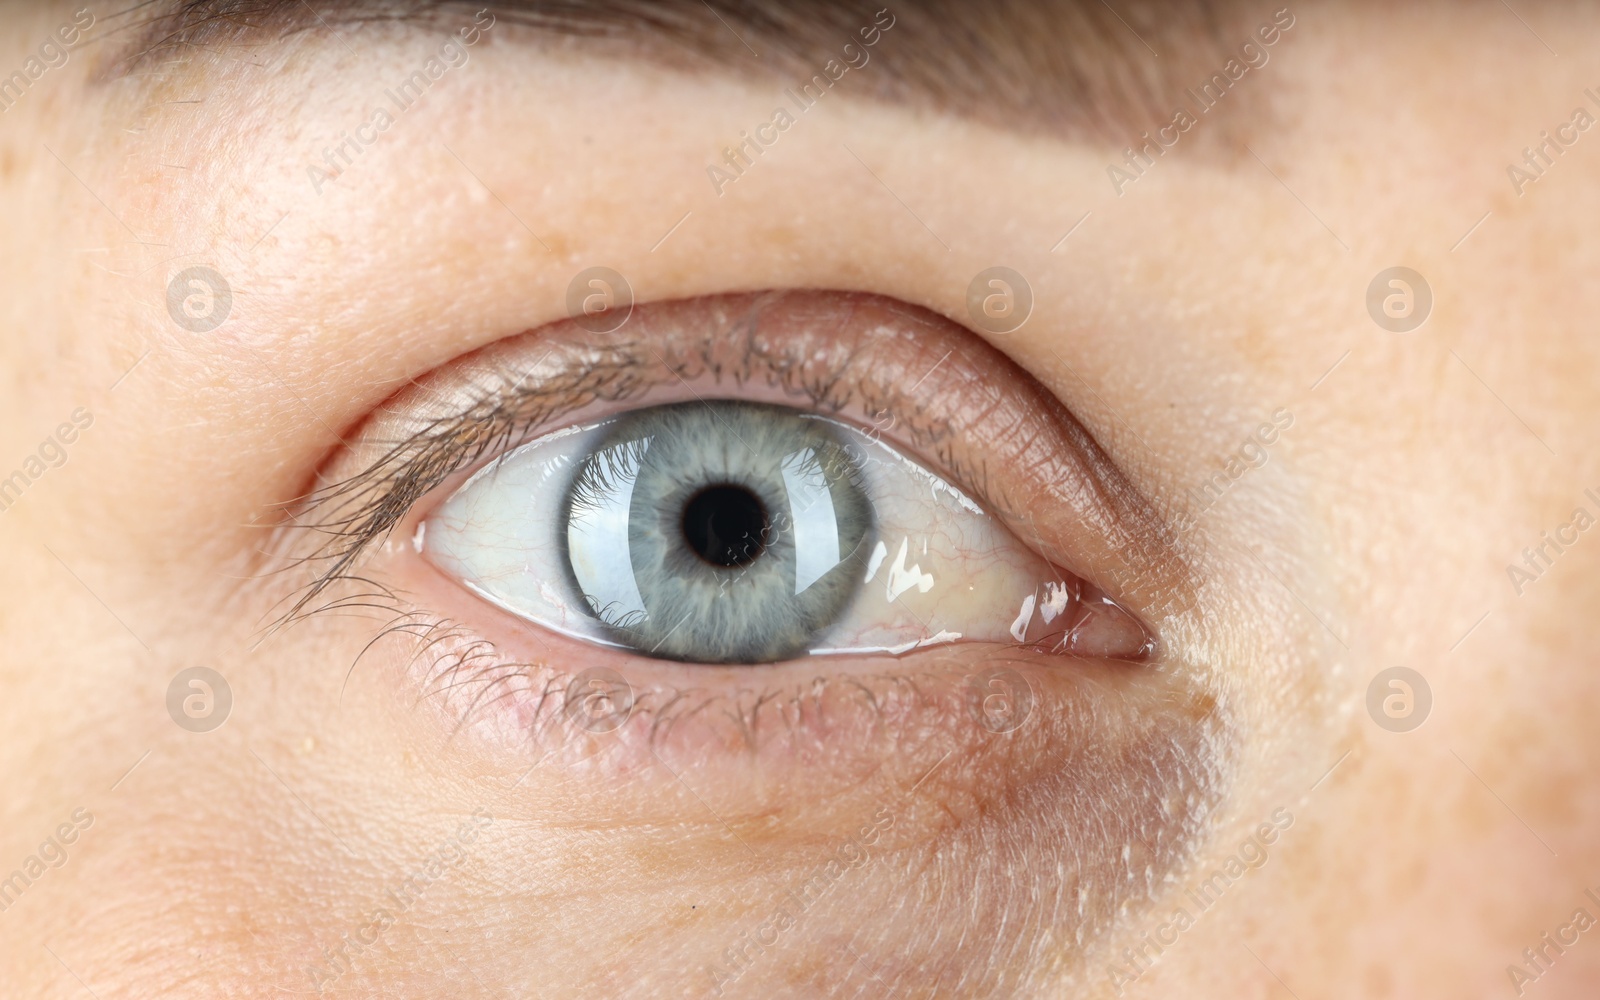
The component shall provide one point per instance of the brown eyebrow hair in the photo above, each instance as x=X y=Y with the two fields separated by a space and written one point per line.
x=1087 y=69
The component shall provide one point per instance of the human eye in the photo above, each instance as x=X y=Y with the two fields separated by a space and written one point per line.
x=730 y=531
x=744 y=501
x=767 y=566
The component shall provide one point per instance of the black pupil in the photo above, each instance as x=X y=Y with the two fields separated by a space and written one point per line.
x=726 y=525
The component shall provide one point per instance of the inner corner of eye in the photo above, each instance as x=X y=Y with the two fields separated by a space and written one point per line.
x=737 y=532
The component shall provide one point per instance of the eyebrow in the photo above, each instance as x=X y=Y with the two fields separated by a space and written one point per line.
x=1074 y=68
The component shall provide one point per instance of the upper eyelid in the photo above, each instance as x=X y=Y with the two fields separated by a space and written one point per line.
x=508 y=412
x=481 y=406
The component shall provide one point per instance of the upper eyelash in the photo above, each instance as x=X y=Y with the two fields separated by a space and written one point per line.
x=504 y=411
x=357 y=511
x=366 y=506
x=589 y=492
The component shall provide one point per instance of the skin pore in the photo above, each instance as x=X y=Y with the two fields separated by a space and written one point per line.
x=358 y=826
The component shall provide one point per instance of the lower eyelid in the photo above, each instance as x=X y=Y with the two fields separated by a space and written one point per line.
x=1101 y=778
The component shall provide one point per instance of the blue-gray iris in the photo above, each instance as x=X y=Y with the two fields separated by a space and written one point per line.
x=718 y=532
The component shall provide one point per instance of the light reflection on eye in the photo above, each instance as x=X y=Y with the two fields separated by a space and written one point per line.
x=741 y=532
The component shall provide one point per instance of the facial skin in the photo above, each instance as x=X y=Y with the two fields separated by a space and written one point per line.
x=1212 y=317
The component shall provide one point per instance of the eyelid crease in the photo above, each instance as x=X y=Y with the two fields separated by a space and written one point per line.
x=905 y=371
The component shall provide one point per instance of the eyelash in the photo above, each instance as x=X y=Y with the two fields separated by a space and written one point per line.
x=357 y=511
x=477 y=664
x=387 y=490
x=850 y=355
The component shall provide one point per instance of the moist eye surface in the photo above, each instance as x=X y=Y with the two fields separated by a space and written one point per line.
x=746 y=532
x=750 y=479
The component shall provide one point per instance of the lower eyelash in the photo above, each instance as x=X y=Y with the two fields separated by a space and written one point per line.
x=467 y=675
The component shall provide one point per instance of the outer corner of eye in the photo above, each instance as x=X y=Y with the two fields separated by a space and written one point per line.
x=738 y=531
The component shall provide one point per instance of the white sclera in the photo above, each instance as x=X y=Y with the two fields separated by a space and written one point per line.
x=938 y=569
